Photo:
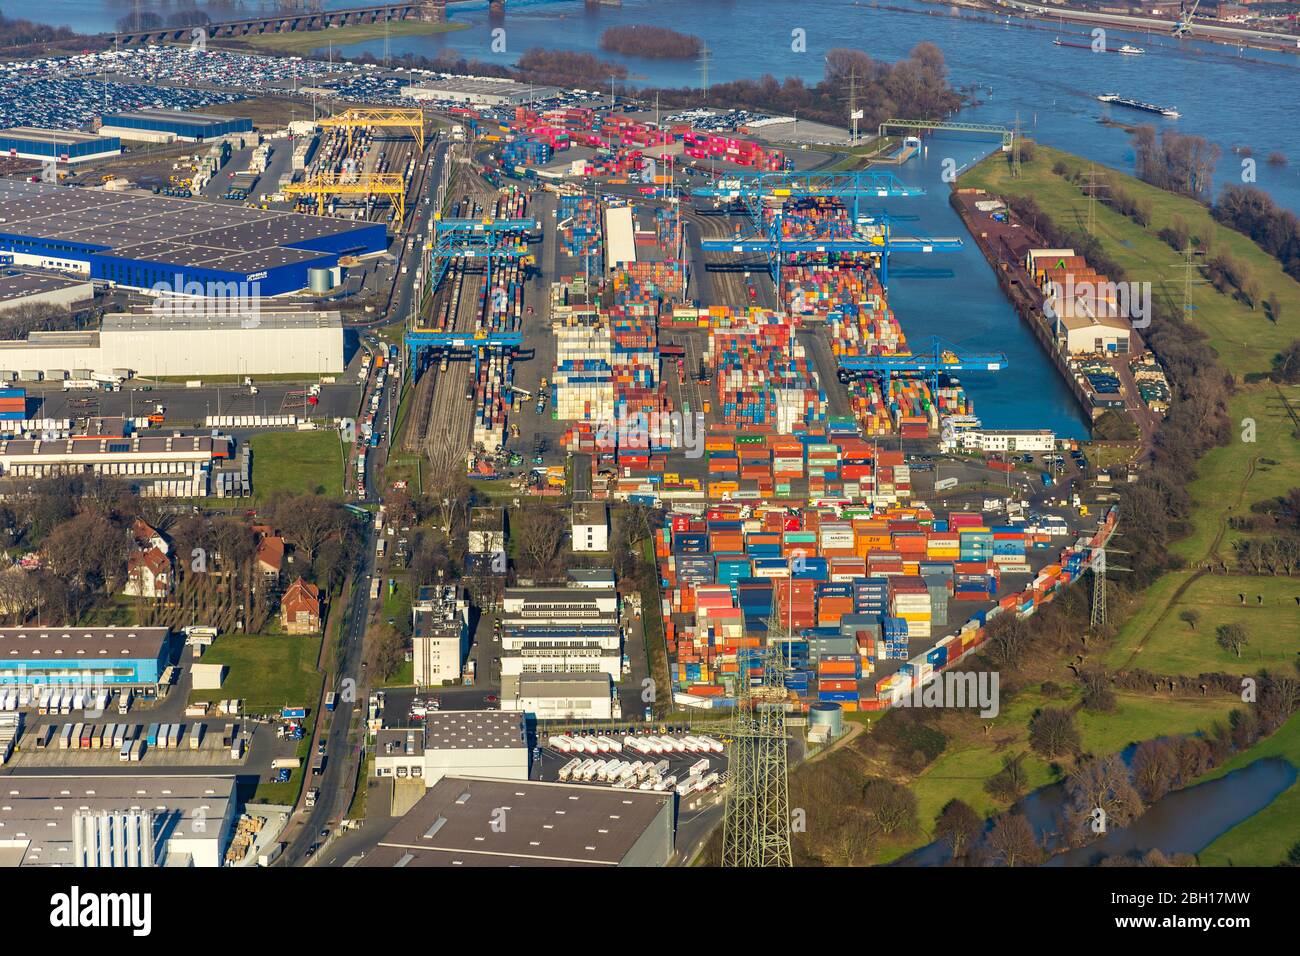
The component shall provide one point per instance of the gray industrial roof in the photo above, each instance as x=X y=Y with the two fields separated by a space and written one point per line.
x=457 y=823
x=37 y=135
x=16 y=284
x=473 y=730
x=39 y=810
x=185 y=232
x=564 y=685
x=29 y=642
x=181 y=318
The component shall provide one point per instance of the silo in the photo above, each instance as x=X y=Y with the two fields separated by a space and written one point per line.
x=320 y=281
x=828 y=715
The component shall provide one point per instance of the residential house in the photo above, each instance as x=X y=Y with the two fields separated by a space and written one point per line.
x=269 y=558
x=300 y=608
x=148 y=574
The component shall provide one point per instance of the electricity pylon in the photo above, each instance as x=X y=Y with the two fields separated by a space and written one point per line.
x=756 y=828
x=1099 y=568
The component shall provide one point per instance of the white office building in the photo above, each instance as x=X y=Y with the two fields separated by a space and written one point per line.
x=476 y=743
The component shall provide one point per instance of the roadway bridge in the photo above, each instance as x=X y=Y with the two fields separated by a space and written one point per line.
x=296 y=21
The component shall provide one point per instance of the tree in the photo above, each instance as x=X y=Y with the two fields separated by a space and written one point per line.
x=539 y=532
x=891 y=805
x=1052 y=733
x=1013 y=842
x=1155 y=769
x=1231 y=637
x=1011 y=781
x=1097 y=695
x=386 y=652
x=958 y=825
x=1102 y=783
x=1190 y=616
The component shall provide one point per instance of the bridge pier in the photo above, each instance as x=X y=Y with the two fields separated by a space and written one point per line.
x=431 y=11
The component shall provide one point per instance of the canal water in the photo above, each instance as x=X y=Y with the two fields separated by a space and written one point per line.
x=1186 y=821
x=1016 y=73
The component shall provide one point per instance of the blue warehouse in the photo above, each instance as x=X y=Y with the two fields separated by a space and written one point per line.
x=185 y=245
x=172 y=124
x=83 y=656
x=59 y=145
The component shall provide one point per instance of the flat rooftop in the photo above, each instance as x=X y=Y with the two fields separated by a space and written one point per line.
x=564 y=685
x=178 y=232
x=39 y=810
x=37 y=135
x=14 y=285
x=182 y=319
x=23 y=643
x=479 y=85
x=551 y=824
x=473 y=730
x=182 y=116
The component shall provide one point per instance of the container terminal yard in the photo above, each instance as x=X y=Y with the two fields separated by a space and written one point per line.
x=559 y=302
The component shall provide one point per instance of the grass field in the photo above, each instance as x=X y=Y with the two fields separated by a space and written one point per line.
x=960 y=773
x=1265 y=838
x=1173 y=647
x=297 y=462
x=1244 y=338
x=309 y=40
x=266 y=671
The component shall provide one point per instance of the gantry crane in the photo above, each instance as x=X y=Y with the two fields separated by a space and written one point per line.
x=323 y=185
x=1183 y=25
x=360 y=117
x=940 y=358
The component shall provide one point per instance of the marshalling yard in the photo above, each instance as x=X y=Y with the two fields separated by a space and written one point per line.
x=564 y=302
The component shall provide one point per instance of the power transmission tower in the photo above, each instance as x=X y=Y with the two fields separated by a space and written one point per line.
x=1099 y=589
x=756 y=827
x=1191 y=277
x=705 y=56
x=855 y=114
x=1093 y=186
x=1015 y=148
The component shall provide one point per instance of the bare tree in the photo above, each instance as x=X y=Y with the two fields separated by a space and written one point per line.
x=1231 y=637
x=1053 y=733
x=890 y=805
x=1013 y=841
x=958 y=825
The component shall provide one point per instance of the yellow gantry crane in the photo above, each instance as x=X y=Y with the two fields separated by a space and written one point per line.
x=359 y=117
x=353 y=184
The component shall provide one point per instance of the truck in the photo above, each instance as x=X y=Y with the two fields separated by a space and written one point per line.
x=330 y=700
x=271 y=855
x=311 y=797
x=380 y=547
x=124 y=701
x=374 y=589
x=1047 y=479
x=286 y=763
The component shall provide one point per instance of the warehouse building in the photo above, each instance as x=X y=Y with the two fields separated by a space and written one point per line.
x=479 y=91
x=589 y=526
x=571 y=631
x=563 y=696
x=460 y=821
x=151 y=242
x=153 y=466
x=116 y=821
x=109 y=657
x=255 y=339
x=1094 y=334
x=59 y=145
x=485 y=743
x=439 y=635
x=165 y=126
x=20 y=290
x=1011 y=440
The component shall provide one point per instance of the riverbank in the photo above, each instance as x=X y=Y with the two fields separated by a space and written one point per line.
x=1017 y=14
x=307 y=41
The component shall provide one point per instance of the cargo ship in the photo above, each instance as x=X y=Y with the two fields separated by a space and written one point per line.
x=1126 y=50
x=1139 y=105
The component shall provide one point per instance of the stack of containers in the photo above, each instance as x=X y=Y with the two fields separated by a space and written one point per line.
x=892 y=645
x=13 y=404
x=581 y=236
x=764 y=378
x=909 y=601
x=837 y=680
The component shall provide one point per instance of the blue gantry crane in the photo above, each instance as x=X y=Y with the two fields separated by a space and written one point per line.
x=873 y=233
x=938 y=358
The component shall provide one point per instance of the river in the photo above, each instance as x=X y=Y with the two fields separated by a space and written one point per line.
x=1185 y=821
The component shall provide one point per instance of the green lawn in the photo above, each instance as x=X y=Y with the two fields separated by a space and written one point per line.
x=297 y=462
x=1265 y=838
x=310 y=40
x=1244 y=338
x=266 y=671
x=1173 y=647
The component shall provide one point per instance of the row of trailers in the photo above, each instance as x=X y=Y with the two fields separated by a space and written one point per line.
x=642 y=745
x=640 y=775
x=61 y=701
x=131 y=740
